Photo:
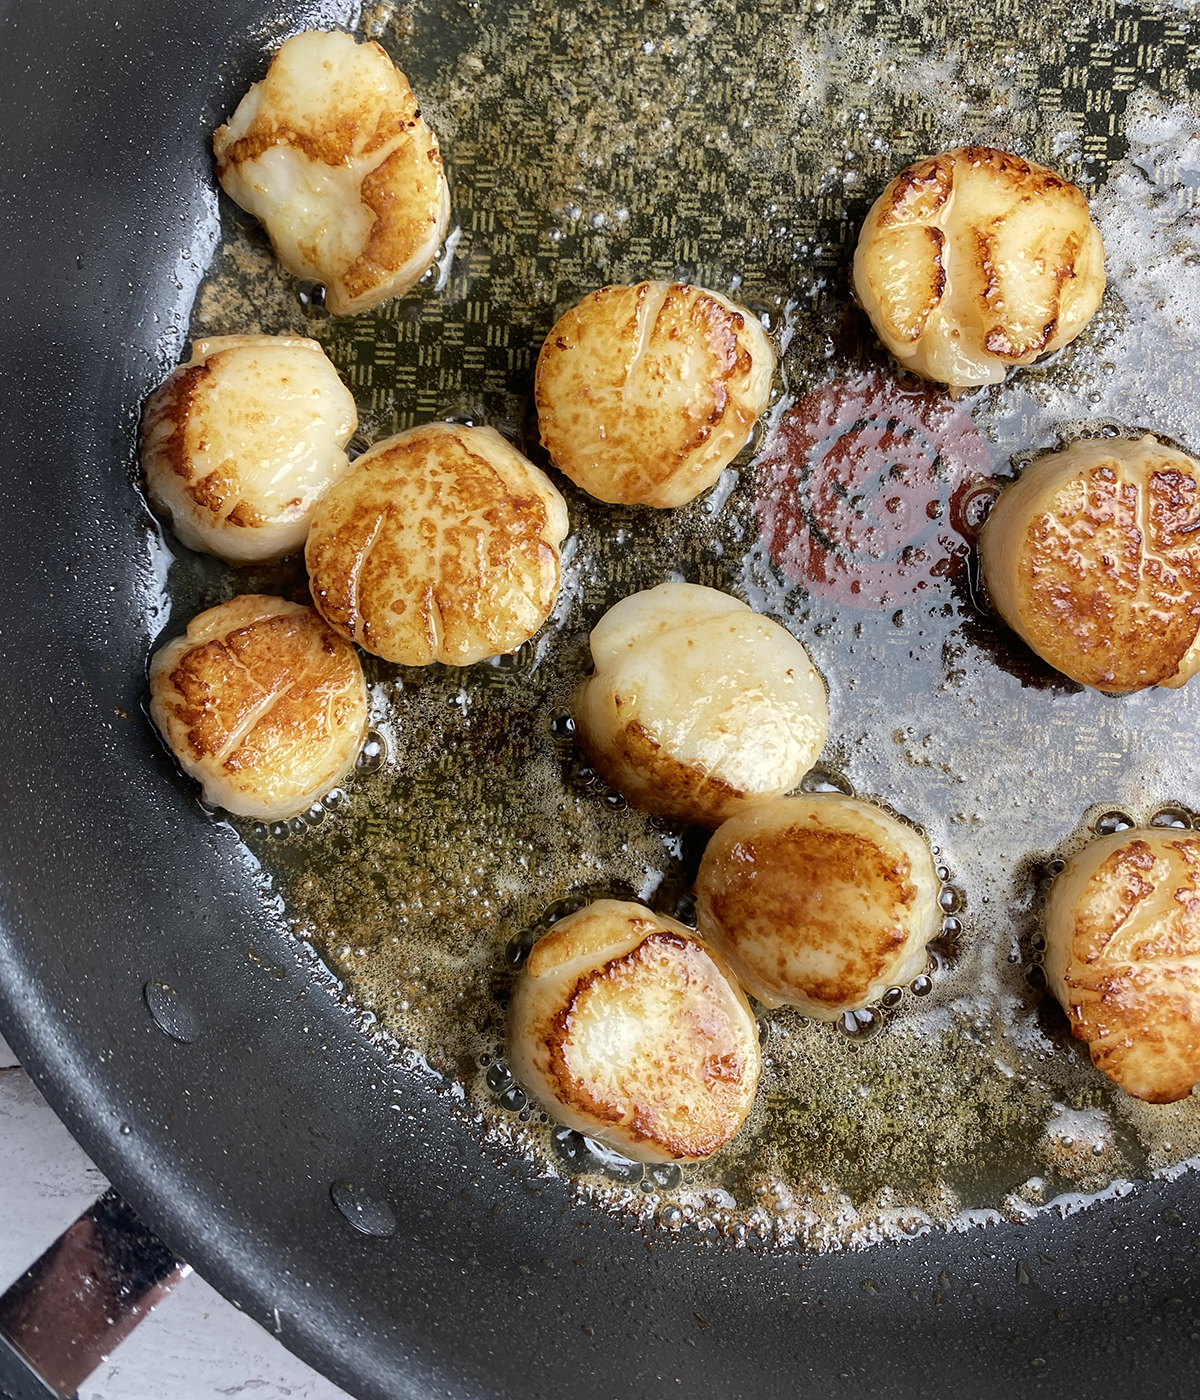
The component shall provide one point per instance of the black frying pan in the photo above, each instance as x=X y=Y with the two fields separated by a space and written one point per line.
x=228 y=1142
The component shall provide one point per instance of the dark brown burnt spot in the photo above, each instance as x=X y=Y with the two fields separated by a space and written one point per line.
x=938 y=239
x=1038 y=179
x=1174 y=509
x=992 y=295
x=212 y=492
x=1001 y=341
x=245 y=516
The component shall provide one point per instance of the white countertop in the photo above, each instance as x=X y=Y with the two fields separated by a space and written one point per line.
x=195 y=1345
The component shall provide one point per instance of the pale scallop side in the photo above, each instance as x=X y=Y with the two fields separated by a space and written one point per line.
x=239 y=444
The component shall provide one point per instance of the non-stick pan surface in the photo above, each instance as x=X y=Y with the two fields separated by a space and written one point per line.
x=228 y=1135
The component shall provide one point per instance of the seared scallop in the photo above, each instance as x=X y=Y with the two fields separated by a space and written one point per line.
x=627 y=1028
x=262 y=703
x=819 y=902
x=1123 y=957
x=976 y=260
x=330 y=152
x=239 y=444
x=645 y=394
x=441 y=545
x=1093 y=558
x=698 y=706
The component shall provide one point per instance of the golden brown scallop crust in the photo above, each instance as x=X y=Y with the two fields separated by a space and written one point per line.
x=634 y=1032
x=361 y=126
x=262 y=702
x=1093 y=558
x=441 y=545
x=818 y=902
x=1123 y=957
x=635 y=763
x=646 y=393
x=993 y=258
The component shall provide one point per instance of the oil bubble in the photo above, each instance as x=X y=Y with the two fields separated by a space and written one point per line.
x=311 y=296
x=571 y=1147
x=613 y=1164
x=1171 y=817
x=665 y=1175
x=860 y=1024
x=372 y=755
x=921 y=986
x=823 y=780
x=1112 y=822
x=519 y=948
x=513 y=1098
x=561 y=908
x=499 y=1078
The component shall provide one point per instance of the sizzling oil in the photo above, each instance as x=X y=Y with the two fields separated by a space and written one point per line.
x=594 y=143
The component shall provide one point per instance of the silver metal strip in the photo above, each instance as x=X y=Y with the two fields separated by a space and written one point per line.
x=87 y=1292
